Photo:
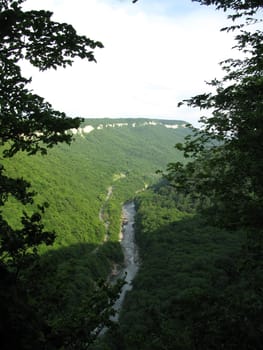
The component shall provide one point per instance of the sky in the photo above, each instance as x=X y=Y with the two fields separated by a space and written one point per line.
x=156 y=53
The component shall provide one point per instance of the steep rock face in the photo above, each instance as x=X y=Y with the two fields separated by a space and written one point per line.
x=119 y=123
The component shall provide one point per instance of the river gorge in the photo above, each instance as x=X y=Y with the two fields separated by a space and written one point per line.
x=130 y=251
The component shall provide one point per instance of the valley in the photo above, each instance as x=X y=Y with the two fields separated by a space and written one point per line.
x=131 y=233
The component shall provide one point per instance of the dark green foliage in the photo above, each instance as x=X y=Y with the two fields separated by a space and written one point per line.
x=69 y=291
x=233 y=4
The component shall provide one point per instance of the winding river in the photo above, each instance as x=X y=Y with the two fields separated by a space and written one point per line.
x=130 y=250
x=131 y=258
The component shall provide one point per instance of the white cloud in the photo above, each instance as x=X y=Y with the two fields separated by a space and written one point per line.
x=150 y=62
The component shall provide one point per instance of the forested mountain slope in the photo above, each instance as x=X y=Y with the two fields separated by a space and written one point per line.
x=124 y=154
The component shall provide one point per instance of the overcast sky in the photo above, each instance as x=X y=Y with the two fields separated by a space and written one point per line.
x=156 y=53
